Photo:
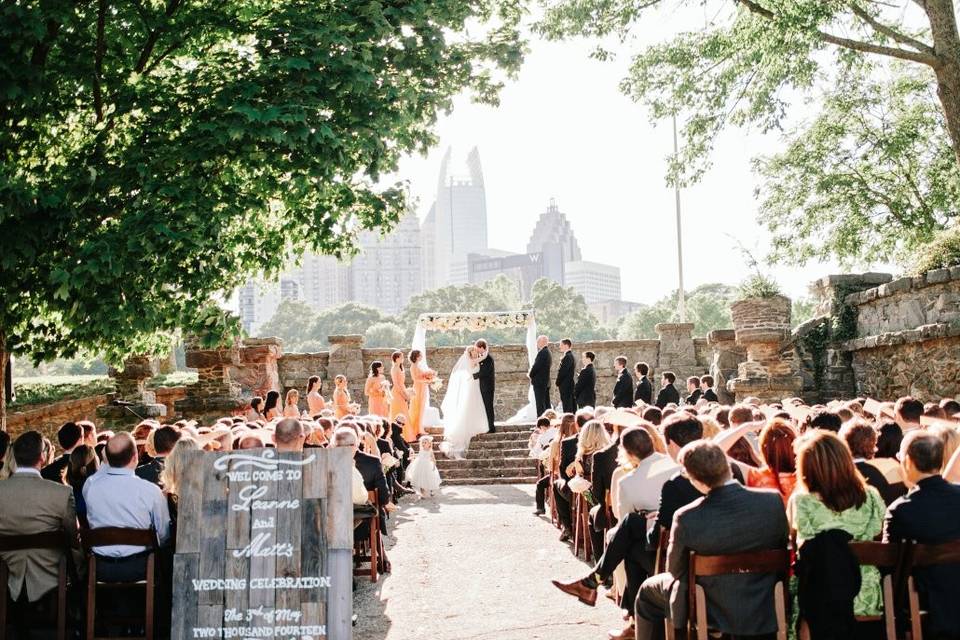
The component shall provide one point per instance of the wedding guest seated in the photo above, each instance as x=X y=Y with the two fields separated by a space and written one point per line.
x=289 y=435
x=604 y=463
x=83 y=464
x=729 y=519
x=653 y=415
x=743 y=449
x=778 y=469
x=399 y=444
x=164 y=439
x=30 y=505
x=884 y=473
x=929 y=514
x=678 y=491
x=539 y=446
x=373 y=478
x=563 y=451
x=638 y=496
x=69 y=436
x=116 y=497
x=950 y=406
x=826 y=420
x=950 y=437
x=889 y=438
x=170 y=479
x=252 y=413
x=346 y=437
x=832 y=496
x=906 y=412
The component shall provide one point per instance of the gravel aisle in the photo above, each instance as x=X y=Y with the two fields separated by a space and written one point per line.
x=476 y=563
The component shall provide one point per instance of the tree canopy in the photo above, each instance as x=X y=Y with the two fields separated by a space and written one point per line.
x=156 y=154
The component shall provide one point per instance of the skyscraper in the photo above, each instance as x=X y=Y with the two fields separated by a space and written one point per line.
x=594 y=281
x=553 y=237
x=387 y=271
x=458 y=220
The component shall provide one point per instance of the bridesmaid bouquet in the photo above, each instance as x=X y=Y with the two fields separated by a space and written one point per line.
x=437 y=384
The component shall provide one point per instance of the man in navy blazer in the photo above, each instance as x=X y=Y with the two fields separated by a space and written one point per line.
x=929 y=514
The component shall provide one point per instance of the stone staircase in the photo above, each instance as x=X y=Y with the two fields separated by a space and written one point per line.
x=493 y=458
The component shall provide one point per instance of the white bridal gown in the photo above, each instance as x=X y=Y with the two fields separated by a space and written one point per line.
x=464 y=415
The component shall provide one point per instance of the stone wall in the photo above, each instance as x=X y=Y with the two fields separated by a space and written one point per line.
x=47 y=418
x=677 y=350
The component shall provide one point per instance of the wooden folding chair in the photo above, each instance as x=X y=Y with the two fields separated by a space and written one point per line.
x=554 y=514
x=106 y=536
x=581 y=527
x=663 y=541
x=925 y=555
x=776 y=561
x=370 y=549
x=887 y=557
x=56 y=540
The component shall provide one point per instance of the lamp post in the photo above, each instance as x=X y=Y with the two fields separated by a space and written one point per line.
x=676 y=190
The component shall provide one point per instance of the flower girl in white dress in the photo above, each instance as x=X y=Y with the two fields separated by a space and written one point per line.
x=422 y=472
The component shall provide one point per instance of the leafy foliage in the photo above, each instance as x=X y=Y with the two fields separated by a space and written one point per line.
x=350 y=318
x=46 y=389
x=803 y=309
x=758 y=286
x=707 y=306
x=563 y=313
x=292 y=322
x=942 y=252
x=872 y=177
x=386 y=335
x=156 y=154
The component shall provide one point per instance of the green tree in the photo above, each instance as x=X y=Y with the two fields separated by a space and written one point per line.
x=872 y=177
x=293 y=323
x=156 y=154
x=563 y=313
x=707 y=307
x=744 y=67
x=385 y=335
x=495 y=295
x=350 y=318
x=803 y=309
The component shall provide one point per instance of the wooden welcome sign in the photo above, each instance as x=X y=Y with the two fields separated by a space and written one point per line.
x=264 y=546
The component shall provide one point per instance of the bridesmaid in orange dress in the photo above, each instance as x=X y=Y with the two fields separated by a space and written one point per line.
x=341 y=399
x=422 y=377
x=374 y=389
x=399 y=399
x=315 y=401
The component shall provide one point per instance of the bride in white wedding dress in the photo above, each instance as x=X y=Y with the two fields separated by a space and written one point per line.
x=464 y=415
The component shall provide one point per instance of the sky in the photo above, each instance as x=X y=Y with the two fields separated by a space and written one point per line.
x=563 y=130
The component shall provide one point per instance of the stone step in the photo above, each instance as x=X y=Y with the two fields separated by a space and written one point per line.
x=482 y=481
x=486 y=472
x=522 y=427
x=498 y=463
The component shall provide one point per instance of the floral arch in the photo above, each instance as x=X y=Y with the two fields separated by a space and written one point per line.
x=477 y=321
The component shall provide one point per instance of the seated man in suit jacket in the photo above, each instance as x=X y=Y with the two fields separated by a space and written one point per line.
x=728 y=519
x=929 y=514
x=29 y=505
x=623 y=388
x=668 y=393
x=164 y=439
x=70 y=435
x=585 y=391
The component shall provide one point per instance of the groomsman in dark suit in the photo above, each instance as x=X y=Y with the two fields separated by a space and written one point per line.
x=693 y=390
x=586 y=387
x=623 y=389
x=668 y=392
x=540 y=375
x=644 y=388
x=706 y=385
x=565 y=377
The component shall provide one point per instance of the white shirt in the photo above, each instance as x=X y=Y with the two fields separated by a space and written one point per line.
x=118 y=498
x=360 y=495
x=27 y=471
x=640 y=489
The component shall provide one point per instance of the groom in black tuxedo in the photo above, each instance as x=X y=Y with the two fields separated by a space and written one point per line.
x=487 y=378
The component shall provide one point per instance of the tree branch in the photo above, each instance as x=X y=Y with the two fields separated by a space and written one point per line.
x=847 y=43
x=889 y=31
x=153 y=37
x=98 y=62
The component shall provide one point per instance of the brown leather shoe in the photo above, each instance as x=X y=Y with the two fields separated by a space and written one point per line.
x=629 y=633
x=565 y=535
x=582 y=592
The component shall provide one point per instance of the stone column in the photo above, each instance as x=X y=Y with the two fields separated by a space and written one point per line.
x=762 y=326
x=727 y=357
x=346 y=358
x=676 y=346
x=136 y=402
x=257 y=372
x=214 y=394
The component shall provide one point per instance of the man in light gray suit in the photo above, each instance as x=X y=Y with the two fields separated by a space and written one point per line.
x=728 y=519
x=29 y=505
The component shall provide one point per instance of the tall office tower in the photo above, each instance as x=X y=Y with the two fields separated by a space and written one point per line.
x=428 y=275
x=257 y=301
x=387 y=271
x=459 y=221
x=594 y=281
x=289 y=290
x=324 y=281
x=553 y=237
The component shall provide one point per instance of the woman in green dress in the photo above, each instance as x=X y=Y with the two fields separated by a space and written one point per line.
x=831 y=494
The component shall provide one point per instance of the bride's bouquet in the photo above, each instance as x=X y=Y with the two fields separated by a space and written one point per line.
x=437 y=384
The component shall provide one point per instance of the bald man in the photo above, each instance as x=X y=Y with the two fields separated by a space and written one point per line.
x=540 y=375
x=289 y=435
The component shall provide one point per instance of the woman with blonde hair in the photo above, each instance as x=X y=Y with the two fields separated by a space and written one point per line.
x=592 y=438
x=399 y=400
x=342 y=406
x=950 y=437
x=422 y=377
x=172 y=474
x=290 y=408
x=375 y=388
